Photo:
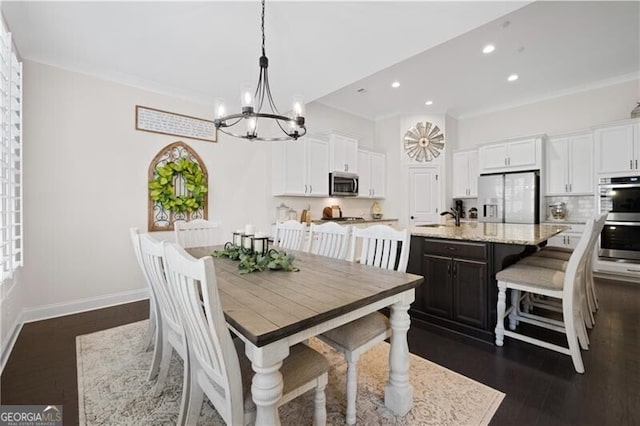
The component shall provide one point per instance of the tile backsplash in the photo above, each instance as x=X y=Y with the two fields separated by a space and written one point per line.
x=578 y=207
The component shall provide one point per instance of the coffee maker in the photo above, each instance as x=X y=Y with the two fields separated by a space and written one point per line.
x=459 y=208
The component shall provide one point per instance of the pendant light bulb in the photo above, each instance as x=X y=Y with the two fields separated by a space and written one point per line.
x=298 y=106
x=246 y=96
x=220 y=108
x=251 y=126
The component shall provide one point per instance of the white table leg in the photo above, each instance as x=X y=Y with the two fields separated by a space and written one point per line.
x=398 y=394
x=267 y=385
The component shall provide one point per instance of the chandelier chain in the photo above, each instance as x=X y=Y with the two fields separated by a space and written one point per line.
x=262 y=27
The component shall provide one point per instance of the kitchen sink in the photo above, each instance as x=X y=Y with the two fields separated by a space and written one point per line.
x=434 y=225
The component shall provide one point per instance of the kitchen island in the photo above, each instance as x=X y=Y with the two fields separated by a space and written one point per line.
x=459 y=265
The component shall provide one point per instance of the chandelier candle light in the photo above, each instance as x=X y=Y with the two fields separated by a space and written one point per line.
x=292 y=127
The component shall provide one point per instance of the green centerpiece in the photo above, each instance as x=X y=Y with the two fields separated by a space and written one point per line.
x=251 y=261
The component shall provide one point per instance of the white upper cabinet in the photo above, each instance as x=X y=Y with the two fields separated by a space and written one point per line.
x=569 y=165
x=372 y=171
x=465 y=174
x=300 y=168
x=343 y=154
x=522 y=154
x=618 y=148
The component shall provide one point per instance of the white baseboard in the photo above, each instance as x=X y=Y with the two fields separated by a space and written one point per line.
x=67 y=308
x=8 y=345
x=82 y=305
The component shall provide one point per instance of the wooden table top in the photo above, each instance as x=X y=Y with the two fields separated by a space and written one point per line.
x=270 y=305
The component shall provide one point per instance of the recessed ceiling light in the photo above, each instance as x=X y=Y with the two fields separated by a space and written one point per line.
x=395 y=84
x=429 y=103
x=488 y=49
x=512 y=77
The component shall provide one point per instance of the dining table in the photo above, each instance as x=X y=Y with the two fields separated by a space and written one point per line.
x=273 y=310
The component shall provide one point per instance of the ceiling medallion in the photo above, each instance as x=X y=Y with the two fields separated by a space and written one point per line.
x=423 y=142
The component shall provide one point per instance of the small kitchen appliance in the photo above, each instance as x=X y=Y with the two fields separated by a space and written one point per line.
x=558 y=211
x=343 y=184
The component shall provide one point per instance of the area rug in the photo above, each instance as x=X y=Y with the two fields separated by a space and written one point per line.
x=113 y=388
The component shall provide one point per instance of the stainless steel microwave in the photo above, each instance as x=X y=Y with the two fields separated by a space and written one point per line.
x=343 y=184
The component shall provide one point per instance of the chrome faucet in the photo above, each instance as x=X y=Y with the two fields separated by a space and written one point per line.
x=454 y=214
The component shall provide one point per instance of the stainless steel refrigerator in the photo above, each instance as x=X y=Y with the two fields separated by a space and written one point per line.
x=509 y=197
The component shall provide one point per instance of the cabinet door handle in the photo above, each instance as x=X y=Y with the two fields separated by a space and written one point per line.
x=631 y=164
x=455 y=270
x=566 y=188
x=373 y=192
x=636 y=164
x=505 y=161
x=570 y=190
x=449 y=268
x=305 y=189
x=310 y=189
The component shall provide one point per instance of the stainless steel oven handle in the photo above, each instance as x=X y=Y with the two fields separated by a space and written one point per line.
x=606 y=223
x=620 y=185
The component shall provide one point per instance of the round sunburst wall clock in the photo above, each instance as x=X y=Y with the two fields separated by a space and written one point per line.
x=423 y=142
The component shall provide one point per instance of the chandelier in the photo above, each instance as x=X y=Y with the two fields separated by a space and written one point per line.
x=292 y=126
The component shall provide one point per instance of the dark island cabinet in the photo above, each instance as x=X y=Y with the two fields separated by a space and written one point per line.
x=454 y=294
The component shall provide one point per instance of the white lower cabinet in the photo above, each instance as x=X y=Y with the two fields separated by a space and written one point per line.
x=372 y=174
x=567 y=239
x=300 y=168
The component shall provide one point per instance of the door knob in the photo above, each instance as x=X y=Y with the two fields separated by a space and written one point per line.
x=412 y=218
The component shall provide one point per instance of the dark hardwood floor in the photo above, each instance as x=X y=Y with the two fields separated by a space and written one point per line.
x=541 y=386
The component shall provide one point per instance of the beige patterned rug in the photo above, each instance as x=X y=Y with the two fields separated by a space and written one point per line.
x=113 y=390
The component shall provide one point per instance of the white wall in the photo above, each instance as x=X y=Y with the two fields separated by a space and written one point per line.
x=389 y=137
x=322 y=120
x=85 y=184
x=574 y=112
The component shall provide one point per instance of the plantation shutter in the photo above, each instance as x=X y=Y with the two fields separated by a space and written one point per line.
x=11 y=225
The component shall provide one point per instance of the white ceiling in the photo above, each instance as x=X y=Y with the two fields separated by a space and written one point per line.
x=554 y=47
x=204 y=50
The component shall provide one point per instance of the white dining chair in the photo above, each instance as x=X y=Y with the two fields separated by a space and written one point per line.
x=289 y=235
x=153 y=330
x=197 y=233
x=172 y=335
x=329 y=239
x=558 y=258
x=566 y=286
x=382 y=247
x=219 y=368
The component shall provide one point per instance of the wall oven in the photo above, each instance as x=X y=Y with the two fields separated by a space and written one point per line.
x=343 y=184
x=620 y=199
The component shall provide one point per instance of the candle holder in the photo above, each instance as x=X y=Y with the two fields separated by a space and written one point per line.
x=245 y=241
x=260 y=245
x=237 y=238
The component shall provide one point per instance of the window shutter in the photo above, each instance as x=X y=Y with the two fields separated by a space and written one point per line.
x=11 y=224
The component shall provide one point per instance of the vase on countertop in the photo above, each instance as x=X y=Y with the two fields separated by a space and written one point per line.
x=635 y=113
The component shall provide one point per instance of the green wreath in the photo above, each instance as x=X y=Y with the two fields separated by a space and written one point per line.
x=163 y=192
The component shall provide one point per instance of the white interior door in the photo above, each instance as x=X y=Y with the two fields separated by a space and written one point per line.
x=424 y=195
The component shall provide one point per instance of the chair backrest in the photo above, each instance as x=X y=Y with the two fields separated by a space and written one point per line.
x=329 y=239
x=380 y=247
x=289 y=235
x=135 y=239
x=595 y=234
x=152 y=258
x=575 y=273
x=197 y=233
x=210 y=344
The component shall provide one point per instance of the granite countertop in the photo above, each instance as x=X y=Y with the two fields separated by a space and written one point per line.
x=505 y=233
x=348 y=222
